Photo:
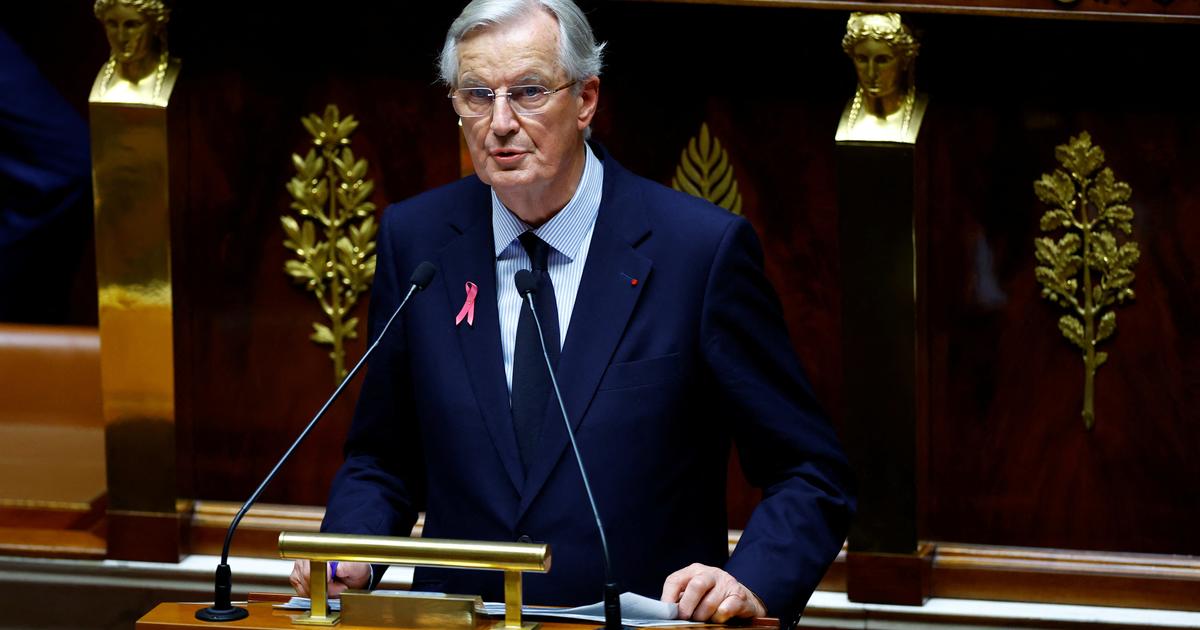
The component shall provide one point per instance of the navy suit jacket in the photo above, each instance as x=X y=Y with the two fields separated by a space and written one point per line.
x=659 y=377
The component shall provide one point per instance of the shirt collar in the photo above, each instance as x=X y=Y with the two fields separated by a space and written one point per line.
x=564 y=231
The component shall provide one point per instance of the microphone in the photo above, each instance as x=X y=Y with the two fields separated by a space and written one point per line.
x=222 y=609
x=526 y=287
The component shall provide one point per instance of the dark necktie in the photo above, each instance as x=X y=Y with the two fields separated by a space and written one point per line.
x=531 y=379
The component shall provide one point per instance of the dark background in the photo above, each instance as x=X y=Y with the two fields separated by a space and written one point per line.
x=1005 y=456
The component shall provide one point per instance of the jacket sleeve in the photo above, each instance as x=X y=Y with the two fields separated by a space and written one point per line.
x=785 y=442
x=379 y=489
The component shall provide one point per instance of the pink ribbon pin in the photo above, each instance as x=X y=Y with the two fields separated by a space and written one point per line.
x=468 y=307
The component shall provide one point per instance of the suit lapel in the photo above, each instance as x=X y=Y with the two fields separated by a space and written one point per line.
x=607 y=296
x=470 y=258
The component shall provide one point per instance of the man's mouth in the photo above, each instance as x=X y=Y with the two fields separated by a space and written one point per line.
x=507 y=156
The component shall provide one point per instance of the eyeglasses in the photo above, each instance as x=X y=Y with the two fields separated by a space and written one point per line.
x=473 y=102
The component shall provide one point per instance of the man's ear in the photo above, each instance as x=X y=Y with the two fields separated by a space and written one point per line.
x=588 y=98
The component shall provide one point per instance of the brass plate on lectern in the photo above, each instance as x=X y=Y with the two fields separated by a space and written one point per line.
x=390 y=609
x=512 y=558
x=330 y=619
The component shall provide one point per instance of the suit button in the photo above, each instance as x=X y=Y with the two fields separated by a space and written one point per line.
x=525 y=539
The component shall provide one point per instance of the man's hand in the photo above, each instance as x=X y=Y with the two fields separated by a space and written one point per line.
x=707 y=593
x=349 y=575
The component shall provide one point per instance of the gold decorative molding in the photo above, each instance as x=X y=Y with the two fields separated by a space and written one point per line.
x=1151 y=11
x=1086 y=270
x=329 y=193
x=704 y=171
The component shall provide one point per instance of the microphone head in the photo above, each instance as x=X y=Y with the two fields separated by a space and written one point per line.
x=525 y=282
x=423 y=275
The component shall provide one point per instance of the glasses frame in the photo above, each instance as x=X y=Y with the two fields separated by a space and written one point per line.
x=493 y=95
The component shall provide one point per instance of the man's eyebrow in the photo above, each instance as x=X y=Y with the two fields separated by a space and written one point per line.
x=527 y=78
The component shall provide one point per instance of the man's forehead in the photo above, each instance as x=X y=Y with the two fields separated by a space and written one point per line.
x=485 y=76
x=526 y=49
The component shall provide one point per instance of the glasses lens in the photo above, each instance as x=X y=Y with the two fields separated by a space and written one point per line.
x=527 y=99
x=472 y=101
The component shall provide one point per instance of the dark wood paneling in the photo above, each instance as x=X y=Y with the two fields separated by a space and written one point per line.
x=254 y=378
x=1005 y=459
x=1067 y=577
x=146 y=536
x=258 y=532
x=887 y=578
x=877 y=201
x=663 y=80
x=51 y=543
x=1125 y=10
x=1009 y=459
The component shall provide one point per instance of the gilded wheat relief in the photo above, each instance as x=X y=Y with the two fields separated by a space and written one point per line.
x=704 y=171
x=1085 y=267
x=333 y=237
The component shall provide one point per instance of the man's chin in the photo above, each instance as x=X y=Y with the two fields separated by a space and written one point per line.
x=507 y=179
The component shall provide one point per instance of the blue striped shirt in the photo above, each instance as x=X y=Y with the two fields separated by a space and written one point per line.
x=569 y=235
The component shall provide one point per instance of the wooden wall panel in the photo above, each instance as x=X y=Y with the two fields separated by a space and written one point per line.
x=671 y=68
x=1125 y=10
x=1010 y=461
x=1007 y=458
x=253 y=377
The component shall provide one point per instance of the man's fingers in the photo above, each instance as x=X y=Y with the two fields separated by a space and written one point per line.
x=336 y=588
x=353 y=574
x=675 y=583
x=716 y=595
x=733 y=606
x=346 y=575
x=707 y=593
x=697 y=588
x=299 y=577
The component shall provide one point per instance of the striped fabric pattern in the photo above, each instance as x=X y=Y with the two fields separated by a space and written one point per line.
x=569 y=234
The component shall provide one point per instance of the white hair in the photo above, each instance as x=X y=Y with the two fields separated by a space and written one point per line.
x=578 y=53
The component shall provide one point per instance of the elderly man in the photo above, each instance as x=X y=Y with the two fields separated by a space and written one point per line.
x=667 y=340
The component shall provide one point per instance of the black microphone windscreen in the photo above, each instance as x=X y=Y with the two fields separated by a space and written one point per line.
x=525 y=282
x=423 y=275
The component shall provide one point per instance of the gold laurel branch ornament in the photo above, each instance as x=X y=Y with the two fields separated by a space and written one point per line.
x=331 y=198
x=1086 y=270
x=704 y=171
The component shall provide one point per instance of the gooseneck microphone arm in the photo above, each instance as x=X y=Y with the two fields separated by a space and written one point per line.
x=527 y=286
x=223 y=608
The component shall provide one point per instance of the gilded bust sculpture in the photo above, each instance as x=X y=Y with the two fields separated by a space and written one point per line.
x=886 y=106
x=140 y=70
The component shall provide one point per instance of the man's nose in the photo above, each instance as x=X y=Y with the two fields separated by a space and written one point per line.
x=504 y=120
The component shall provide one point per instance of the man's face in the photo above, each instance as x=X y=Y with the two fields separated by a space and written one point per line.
x=531 y=151
x=129 y=33
x=878 y=67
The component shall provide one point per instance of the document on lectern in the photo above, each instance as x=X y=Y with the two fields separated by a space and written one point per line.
x=637 y=610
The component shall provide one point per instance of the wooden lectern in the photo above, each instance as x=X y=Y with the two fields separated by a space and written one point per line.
x=427 y=610
x=264 y=617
